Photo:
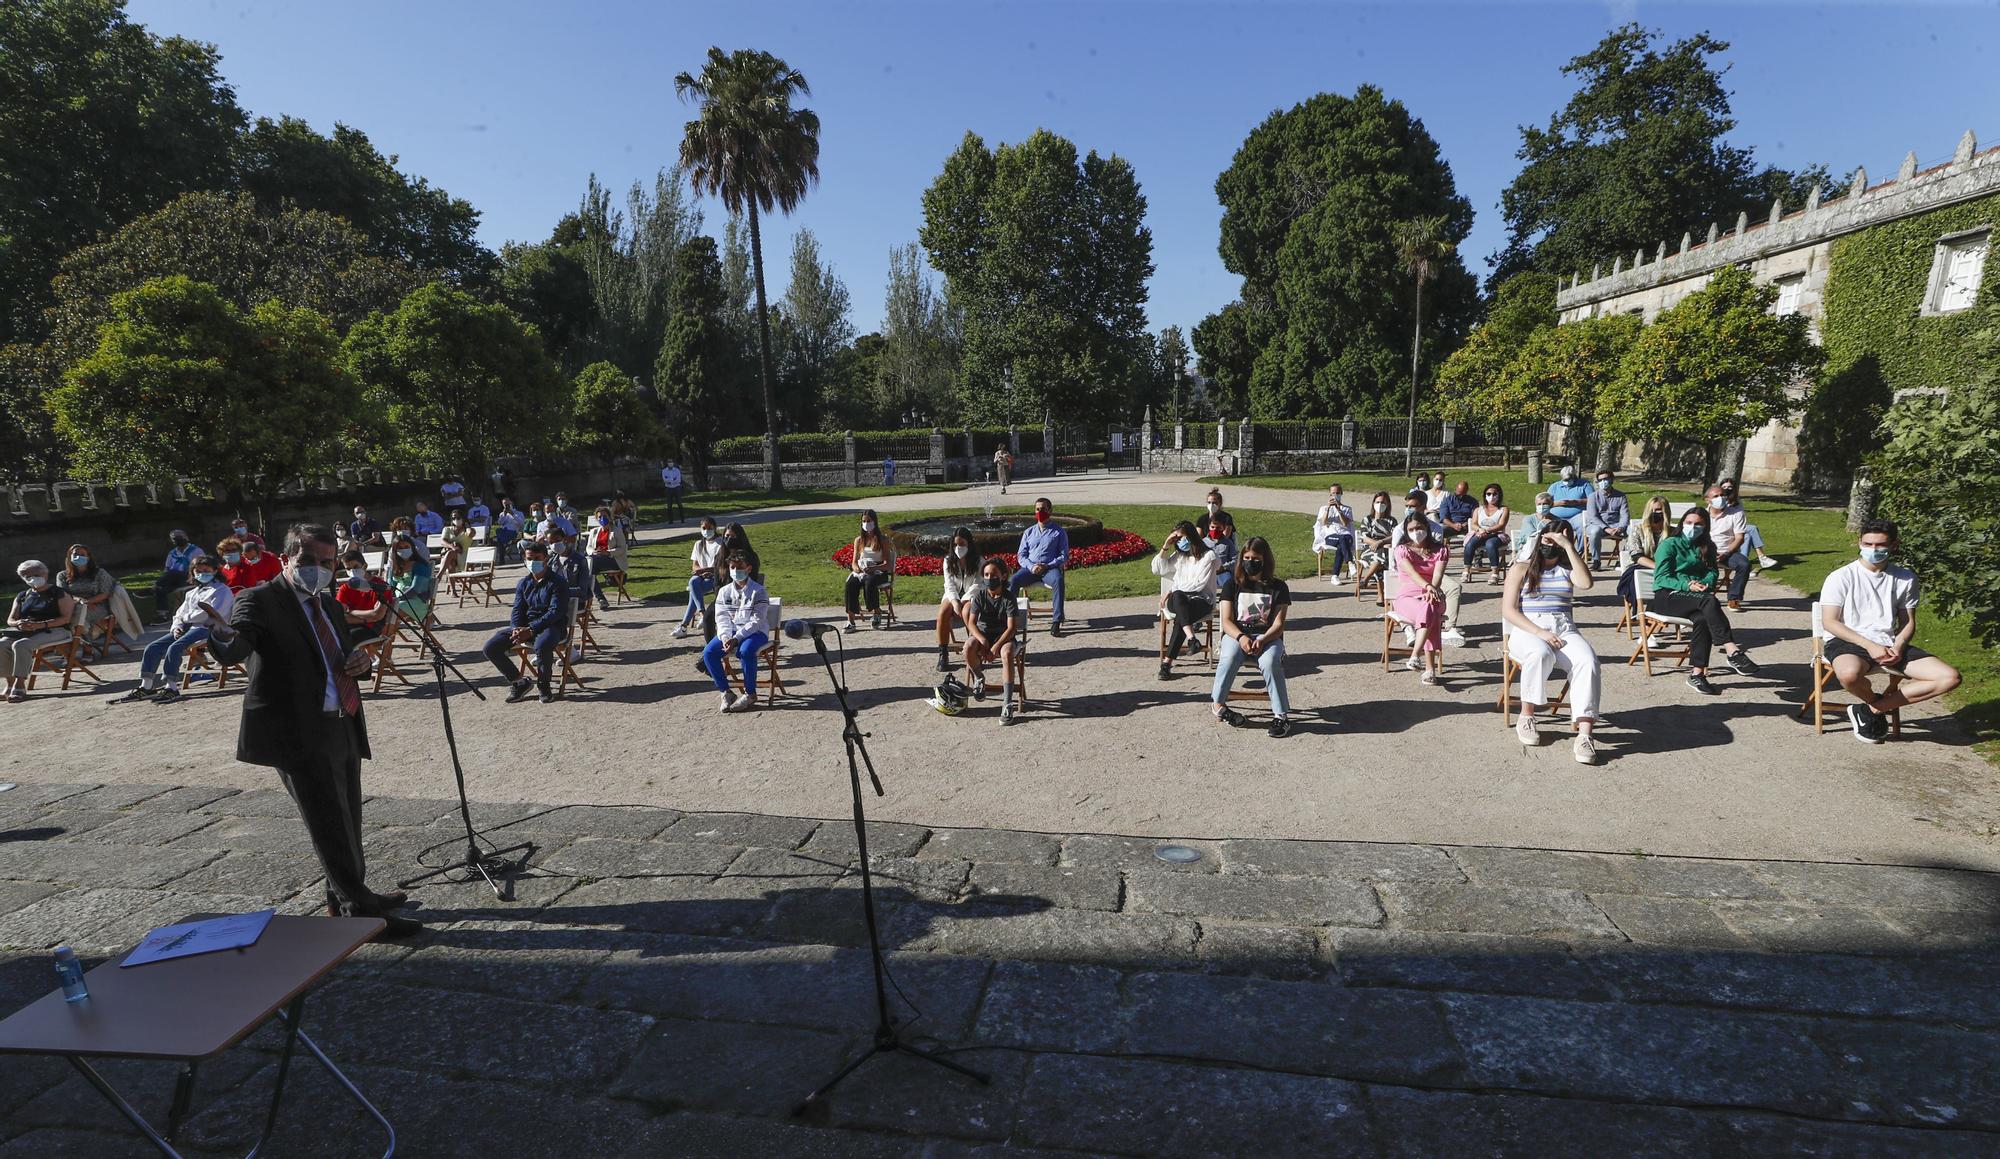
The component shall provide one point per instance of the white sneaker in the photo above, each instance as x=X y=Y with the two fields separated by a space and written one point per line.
x=742 y=704
x=1584 y=750
x=1766 y=561
x=1413 y=663
x=1430 y=678
x=680 y=633
x=1525 y=732
x=1455 y=638
x=728 y=698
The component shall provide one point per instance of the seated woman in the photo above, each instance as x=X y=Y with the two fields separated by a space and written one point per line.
x=962 y=571
x=1532 y=525
x=89 y=585
x=1536 y=604
x=1221 y=539
x=625 y=514
x=1189 y=568
x=205 y=605
x=366 y=600
x=607 y=551
x=740 y=609
x=1253 y=602
x=1643 y=544
x=457 y=544
x=40 y=616
x=1487 y=532
x=874 y=566
x=1419 y=596
x=989 y=635
x=704 y=559
x=1333 y=531
x=411 y=578
x=402 y=527
x=1374 y=534
x=1684 y=578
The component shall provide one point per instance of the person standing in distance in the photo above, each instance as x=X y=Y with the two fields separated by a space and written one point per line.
x=302 y=713
x=672 y=480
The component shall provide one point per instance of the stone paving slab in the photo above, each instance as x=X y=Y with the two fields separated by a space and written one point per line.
x=672 y=983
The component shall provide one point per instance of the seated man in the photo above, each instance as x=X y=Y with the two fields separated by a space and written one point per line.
x=1868 y=610
x=990 y=632
x=1333 y=530
x=568 y=561
x=506 y=527
x=1730 y=528
x=1570 y=495
x=478 y=515
x=364 y=598
x=740 y=610
x=206 y=603
x=540 y=619
x=174 y=573
x=1043 y=555
x=364 y=532
x=426 y=523
x=1606 y=516
x=1454 y=514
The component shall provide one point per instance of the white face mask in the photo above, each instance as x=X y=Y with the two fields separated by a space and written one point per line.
x=868 y=528
x=1715 y=501
x=204 y=577
x=357 y=575
x=959 y=550
x=1875 y=555
x=1380 y=508
x=38 y=582
x=708 y=533
x=738 y=575
x=1418 y=535
x=310 y=578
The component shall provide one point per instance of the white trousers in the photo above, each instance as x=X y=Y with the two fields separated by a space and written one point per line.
x=1538 y=661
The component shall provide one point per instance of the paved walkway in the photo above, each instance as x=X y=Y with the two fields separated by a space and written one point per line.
x=670 y=983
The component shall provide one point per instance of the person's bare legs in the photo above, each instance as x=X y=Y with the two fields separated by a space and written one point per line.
x=1922 y=680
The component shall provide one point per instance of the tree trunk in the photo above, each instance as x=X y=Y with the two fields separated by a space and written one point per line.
x=764 y=346
x=1416 y=340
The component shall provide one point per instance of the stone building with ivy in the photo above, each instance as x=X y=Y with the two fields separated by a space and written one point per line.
x=1888 y=275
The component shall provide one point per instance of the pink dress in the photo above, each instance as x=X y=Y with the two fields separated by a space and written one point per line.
x=1411 y=605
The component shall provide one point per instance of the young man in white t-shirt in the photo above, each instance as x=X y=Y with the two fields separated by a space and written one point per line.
x=1868 y=611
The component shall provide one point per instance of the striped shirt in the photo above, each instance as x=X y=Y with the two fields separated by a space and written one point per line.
x=1552 y=597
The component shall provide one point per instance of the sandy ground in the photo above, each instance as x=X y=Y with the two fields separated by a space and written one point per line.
x=1106 y=747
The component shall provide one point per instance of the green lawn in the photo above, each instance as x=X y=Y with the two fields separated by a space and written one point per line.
x=798 y=564
x=726 y=503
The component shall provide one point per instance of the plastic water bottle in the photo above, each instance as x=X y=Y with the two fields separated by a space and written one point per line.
x=71 y=972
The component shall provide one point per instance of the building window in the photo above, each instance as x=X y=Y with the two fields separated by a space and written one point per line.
x=1956 y=268
x=1790 y=291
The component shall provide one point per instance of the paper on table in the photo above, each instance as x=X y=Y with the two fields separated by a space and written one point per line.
x=190 y=938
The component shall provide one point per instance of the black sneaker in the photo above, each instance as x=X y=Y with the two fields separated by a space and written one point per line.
x=1740 y=662
x=1166 y=670
x=944 y=662
x=1699 y=683
x=547 y=696
x=1280 y=726
x=1230 y=716
x=519 y=691
x=1867 y=726
x=1056 y=629
x=167 y=695
x=136 y=694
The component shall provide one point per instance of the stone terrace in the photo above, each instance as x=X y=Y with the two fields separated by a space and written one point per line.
x=670 y=983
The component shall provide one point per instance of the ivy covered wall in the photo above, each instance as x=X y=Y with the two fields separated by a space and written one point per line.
x=1878 y=341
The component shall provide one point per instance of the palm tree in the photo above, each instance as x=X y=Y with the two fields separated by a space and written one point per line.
x=1421 y=244
x=751 y=148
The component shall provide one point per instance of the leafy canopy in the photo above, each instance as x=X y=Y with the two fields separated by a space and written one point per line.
x=695 y=376
x=609 y=417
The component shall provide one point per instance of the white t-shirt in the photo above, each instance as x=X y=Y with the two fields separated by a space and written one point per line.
x=1726 y=526
x=706 y=553
x=454 y=494
x=1874 y=603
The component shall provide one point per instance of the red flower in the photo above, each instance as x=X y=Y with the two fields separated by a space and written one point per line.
x=1115 y=547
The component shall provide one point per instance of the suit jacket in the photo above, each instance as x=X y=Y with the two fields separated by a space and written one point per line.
x=284 y=707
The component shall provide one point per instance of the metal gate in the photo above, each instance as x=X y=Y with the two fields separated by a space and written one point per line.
x=1082 y=449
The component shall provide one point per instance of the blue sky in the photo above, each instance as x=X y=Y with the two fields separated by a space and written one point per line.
x=513 y=103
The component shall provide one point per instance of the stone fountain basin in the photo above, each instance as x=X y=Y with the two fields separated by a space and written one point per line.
x=999 y=534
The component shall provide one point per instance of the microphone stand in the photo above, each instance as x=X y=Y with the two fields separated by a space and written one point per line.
x=476 y=863
x=888 y=1036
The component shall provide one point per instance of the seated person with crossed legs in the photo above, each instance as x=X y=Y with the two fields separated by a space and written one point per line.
x=540 y=618
x=1869 y=612
x=1187 y=564
x=740 y=609
x=962 y=570
x=1537 y=604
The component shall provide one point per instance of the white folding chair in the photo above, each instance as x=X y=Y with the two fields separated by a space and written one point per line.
x=475 y=581
x=1652 y=623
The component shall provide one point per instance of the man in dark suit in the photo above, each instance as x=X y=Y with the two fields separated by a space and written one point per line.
x=302 y=712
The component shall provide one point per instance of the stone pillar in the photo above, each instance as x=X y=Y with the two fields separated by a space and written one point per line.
x=1014 y=440
x=847 y=453
x=1049 y=442
x=937 y=464
x=1146 y=439
x=1347 y=435
x=1180 y=434
x=1448 y=435
x=1861 y=499
x=770 y=460
x=1246 y=445
x=1535 y=468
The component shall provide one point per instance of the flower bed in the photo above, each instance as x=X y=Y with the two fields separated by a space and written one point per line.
x=1116 y=547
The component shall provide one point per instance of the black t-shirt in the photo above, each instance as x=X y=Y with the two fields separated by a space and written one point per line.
x=992 y=613
x=1255 y=601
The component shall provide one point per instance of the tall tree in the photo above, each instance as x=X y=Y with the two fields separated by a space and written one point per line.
x=1309 y=201
x=1637 y=156
x=630 y=257
x=1047 y=255
x=750 y=147
x=816 y=329
x=100 y=121
x=1422 y=245
x=696 y=375
x=1227 y=343
x=407 y=220
x=1171 y=360
x=918 y=364
x=1522 y=306
x=549 y=287
x=458 y=381
x=183 y=383
x=609 y=418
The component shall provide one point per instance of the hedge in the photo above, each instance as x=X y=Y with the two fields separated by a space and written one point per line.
x=818 y=446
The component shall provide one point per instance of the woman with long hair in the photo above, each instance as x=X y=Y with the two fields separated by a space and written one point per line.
x=88 y=584
x=1644 y=542
x=1189 y=568
x=1254 y=602
x=1684 y=577
x=961 y=582
x=874 y=566
x=1375 y=531
x=1419 y=601
x=1488 y=530
x=1536 y=604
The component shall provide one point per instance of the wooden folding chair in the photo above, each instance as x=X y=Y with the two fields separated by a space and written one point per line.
x=99 y=637
x=616 y=578
x=68 y=650
x=1027 y=600
x=565 y=674
x=1206 y=630
x=1652 y=623
x=1509 y=669
x=382 y=655
x=1376 y=581
x=767 y=656
x=476 y=580
x=1390 y=623
x=886 y=595
x=1822 y=675
x=197 y=657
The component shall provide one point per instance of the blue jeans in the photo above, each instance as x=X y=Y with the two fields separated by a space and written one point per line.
x=1490 y=546
x=1052 y=578
x=501 y=644
x=1340 y=545
x=162 y=657
x=746 y=654
x=1270 y=661
x=699 y=589
x=1597 y=536
x=1739 y=574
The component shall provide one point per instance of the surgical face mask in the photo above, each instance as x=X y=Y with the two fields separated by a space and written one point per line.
x=1381 y=508
x=1875 y=555
x=1541 y=509
x=738 y=575
x=405 y=552
x=1214 y=507
x=708 y=533
x=868 y=527
x=240 y=530
x=204 y=577
x=1493 y=496
x=1335 y=498
x=361 y=515
x=960 y=550
x=1691 y=530
x=1423 y=482
x=311 y=578
x=558 y=547
x=1604 y=484
x=1419 y=534
x=537 y=566
x=79 y=561
x=1252 y=566
x=601 y=521
x=1715 y=501
x=1183 y=544
x=232 y=557
x=357 y=575
x=38 y=582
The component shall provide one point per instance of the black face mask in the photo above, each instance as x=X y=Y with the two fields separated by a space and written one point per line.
x=1549 y=553
x=995 y=582
x=1252 y=566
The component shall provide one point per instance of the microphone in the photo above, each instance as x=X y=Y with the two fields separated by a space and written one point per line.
x=800 y=629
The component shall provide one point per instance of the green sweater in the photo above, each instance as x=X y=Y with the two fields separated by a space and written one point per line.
x=1678 y=563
